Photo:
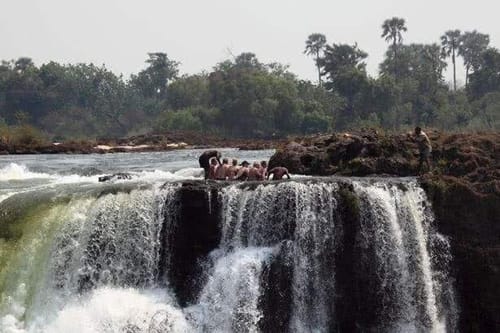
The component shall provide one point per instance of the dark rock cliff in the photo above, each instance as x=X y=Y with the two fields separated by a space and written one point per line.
x=472 y=221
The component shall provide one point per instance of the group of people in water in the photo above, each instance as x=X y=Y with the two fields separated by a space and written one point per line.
x=216 y=169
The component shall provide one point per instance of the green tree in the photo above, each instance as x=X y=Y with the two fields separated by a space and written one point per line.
x=392 y=31
x=486 y=78
x=180 y=120
x=345 y=71
x=487 y=115
x=471 y=48
x=450 y=42
x=255 y=99
x=23 y=64
x=189 y=90
x=153 y=81
x=315 y=45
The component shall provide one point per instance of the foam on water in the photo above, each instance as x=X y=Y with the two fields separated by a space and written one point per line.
x=110 y=310
x=6 y=195
x=15 y=171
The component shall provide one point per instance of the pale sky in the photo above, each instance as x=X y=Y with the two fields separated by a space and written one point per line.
x=119 y=33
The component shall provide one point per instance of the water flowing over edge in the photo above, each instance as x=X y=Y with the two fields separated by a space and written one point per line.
x=97 y=260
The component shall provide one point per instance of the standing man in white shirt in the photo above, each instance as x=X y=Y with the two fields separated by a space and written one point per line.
x=424 y=149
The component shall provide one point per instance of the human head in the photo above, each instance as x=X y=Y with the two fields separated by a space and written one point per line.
x=263 y=164
x=213 y=161
x=224 y=161
x=418 y=130
x=235 y=162
x=256 y=165
x=245 y=163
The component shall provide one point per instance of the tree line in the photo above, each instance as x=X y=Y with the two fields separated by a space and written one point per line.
x=243 y=97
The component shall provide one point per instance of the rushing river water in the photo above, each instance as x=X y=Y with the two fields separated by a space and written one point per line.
x=27 y=172
x=311 y=255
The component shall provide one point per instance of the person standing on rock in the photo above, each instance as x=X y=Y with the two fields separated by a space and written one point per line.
x=278 y=173
x=424 y=148
x=205 y=160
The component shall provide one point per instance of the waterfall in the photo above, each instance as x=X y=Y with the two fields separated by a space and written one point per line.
x=315 y=255
x=88 y=243
x=396 y=224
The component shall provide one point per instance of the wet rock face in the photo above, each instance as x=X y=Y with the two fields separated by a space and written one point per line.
x=195 y=234
x=472 y=221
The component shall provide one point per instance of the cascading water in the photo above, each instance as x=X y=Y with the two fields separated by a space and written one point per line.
x=402 y=252
x=303 y=256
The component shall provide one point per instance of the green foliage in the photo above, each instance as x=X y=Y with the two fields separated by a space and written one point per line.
x=486 y=78
x=24 y=135
x=243 y=97
x=153 y=81
x=181 y=120
x=255 y=99
x=472 y=46
x=486 y=112
x=189 y=90
x=315 y=122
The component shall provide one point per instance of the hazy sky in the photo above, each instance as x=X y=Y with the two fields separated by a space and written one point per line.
x=201 y=33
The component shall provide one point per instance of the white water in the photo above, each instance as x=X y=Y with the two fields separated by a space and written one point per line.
x=119 y=310
x=15 y=171
x=108 y=242
x=91 y=264
x=229 y=301
x=397 y=221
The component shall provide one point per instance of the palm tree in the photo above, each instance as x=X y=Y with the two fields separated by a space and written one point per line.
x=450 y=43
x=392 y=30
x=472 y=46
x=315 y=44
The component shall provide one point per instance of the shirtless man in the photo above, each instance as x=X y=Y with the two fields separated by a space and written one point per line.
x=205 y=160
x=220 y=173
x=278 y=173
x=232 y=171
x=243 y=171
x=263 y=169
x=255 y=173
x=213 y=168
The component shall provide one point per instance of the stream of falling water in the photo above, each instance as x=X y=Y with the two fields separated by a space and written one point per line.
x=91 y=263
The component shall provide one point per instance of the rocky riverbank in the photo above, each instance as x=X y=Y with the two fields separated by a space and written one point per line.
x=463 y=186
x=473 y=159
x=139 y=143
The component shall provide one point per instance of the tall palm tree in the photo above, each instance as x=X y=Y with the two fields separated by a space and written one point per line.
x=392 y=30
x=315 y=44
x=450 y=43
